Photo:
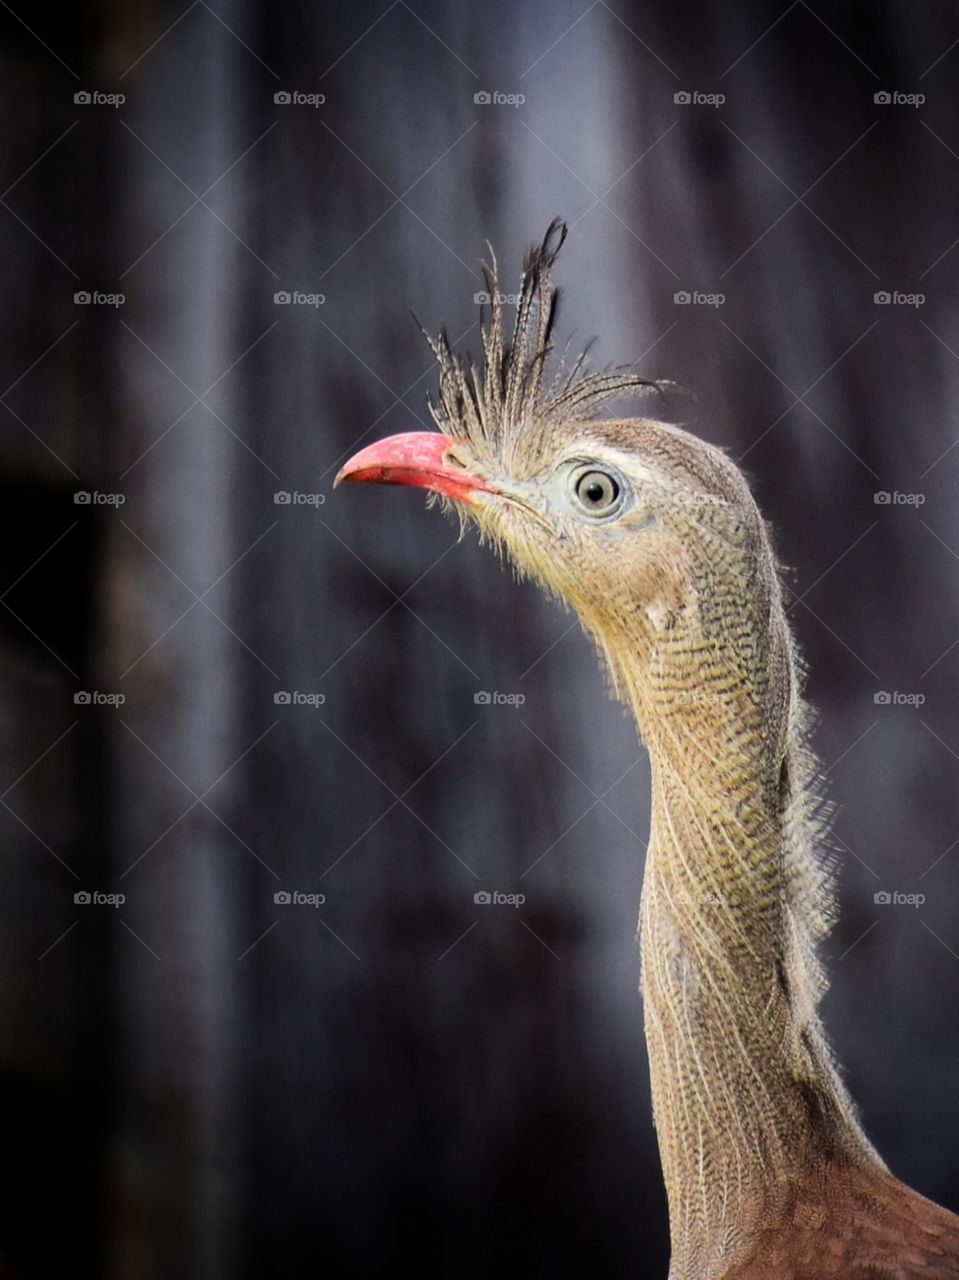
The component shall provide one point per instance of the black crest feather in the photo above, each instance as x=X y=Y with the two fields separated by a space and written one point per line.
x=503 y=410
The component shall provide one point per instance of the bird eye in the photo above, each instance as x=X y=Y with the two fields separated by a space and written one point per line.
x=597 y=492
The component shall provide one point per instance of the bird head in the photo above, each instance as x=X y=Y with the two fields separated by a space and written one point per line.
x=636 y=524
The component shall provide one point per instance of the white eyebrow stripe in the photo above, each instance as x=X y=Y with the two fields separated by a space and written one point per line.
x=625 y=462
x=644 y=474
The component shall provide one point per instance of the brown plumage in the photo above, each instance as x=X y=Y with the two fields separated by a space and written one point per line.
x=653 y=537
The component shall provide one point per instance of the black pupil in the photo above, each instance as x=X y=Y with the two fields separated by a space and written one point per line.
x=598 y=490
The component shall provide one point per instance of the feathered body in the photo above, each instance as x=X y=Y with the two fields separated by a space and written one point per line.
x=767 y=1169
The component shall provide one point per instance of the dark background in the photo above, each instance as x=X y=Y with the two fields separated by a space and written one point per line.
x=202 y=1082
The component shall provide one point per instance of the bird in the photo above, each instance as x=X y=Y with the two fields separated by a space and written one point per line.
x=652 y=537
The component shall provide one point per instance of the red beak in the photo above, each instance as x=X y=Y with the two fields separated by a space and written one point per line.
x=417 y=458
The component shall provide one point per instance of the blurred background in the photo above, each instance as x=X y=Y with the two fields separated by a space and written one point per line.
x=224 y=683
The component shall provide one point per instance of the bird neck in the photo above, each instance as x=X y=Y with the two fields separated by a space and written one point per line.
x=744 y=1088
